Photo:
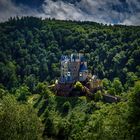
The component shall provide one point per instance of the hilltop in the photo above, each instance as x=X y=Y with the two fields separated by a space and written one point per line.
x=31 y=49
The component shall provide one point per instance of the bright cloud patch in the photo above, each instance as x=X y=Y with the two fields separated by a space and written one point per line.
x=103 y=11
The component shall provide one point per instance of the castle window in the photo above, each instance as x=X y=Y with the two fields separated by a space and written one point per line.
x=68 y=74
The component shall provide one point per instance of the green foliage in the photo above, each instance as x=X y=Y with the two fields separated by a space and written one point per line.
x=66 y=107
x=137 y=91
x=89 y=120
x=70 y=118
x=78 y=86
x=22 y=93
x=3 y=92
x=30 y=52
x=17 y=121
x=131 y=78
x=135 y=100
x=31 y=49
x=42 y=88
x=111 y=91
x=134 y=110
x=117 y=85
x=31 y=82
x=8 y=74
x=98 y=96
x=106 y=83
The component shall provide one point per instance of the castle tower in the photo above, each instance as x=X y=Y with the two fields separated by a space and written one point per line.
x=64 y=68
x=73 y=68
x=83 y=71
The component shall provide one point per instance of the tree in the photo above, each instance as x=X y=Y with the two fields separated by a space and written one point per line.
x=3 y=92
x=18 y=121
x=42 y=88
x=8 y=72
x=22 y=93
x=135 y=101
x=66 y=107
x=78 y=86
x=31 y=82
x=117 y=85
x=130 y=79
x=134 y=111
x=98 y=96
x=106 y=83
x=111 y=91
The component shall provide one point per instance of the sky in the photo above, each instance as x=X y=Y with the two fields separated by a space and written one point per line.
x=126 y=12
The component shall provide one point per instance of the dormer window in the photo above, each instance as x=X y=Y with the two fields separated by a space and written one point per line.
x=68 y=73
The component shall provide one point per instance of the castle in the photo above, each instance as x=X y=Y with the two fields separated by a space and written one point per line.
x=73 y=68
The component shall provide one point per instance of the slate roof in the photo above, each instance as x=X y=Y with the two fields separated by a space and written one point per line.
x=83 y=67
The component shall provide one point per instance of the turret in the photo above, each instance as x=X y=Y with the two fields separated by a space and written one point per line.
x=73 y=68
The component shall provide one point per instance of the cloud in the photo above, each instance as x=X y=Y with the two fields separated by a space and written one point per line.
x=103 y=11
x=132 y=20
x=9 y=9
x=62 y=10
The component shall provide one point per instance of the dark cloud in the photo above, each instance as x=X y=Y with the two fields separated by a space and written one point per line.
x=29 y=3
x=9 y=9
x=104 y=11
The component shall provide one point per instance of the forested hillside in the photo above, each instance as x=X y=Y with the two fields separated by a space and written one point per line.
x=30 y=50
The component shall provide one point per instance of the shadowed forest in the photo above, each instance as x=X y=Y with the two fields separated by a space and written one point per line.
x=30 y=52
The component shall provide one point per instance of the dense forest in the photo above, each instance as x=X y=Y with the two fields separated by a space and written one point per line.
x=30 y=50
